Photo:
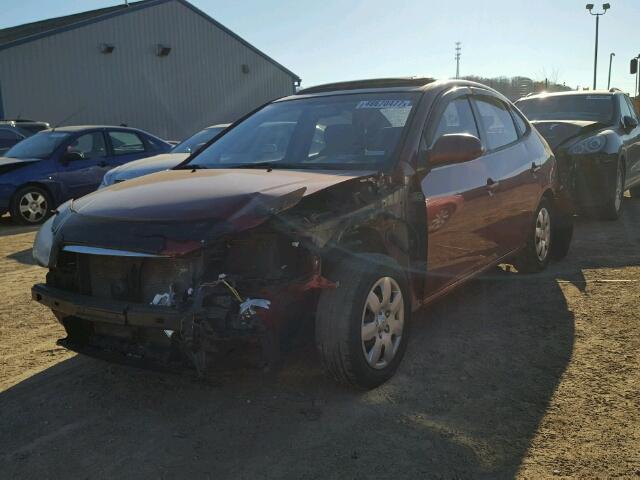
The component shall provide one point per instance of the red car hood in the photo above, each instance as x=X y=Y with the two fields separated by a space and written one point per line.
x=221 y=194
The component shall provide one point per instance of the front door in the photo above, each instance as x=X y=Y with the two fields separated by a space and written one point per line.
x=82 y=176
x=460 y=203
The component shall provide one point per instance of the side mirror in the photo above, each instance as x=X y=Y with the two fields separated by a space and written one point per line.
x=455 y=148
x=69 y=157
x=629 y=123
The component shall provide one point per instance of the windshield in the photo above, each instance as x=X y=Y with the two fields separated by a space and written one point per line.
x=598 y=108
x=40 y=145
x=192 y=143
x=344 y=131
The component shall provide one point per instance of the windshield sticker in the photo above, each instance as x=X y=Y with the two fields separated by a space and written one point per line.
x=383 y=104
x=58 y=134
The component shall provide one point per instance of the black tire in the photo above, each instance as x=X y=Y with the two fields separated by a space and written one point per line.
x=339 y=320
x=19 y=216
x=561 y=236
x=528 y=260
x=612 y=208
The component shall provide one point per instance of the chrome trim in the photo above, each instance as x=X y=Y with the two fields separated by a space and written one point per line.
x=107 y=251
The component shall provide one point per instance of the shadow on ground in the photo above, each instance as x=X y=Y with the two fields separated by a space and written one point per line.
x=479 y=374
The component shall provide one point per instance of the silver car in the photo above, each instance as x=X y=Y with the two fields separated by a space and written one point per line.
x=164 y=161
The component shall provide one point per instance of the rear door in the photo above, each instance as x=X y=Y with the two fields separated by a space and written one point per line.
x=512 y=172
x=126 y=146
x=83 y=176
x=459 y=203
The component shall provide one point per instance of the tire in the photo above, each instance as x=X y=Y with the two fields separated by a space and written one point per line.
x=537 y=251
x=561 y=236
x=351 y=340
x=613 y=206
x=31 y=205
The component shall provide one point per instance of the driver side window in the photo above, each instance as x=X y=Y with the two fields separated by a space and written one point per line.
x=90 y=145
x=457 y=118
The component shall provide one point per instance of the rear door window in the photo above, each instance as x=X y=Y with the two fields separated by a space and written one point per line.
x=125 y=143
x=497 y=123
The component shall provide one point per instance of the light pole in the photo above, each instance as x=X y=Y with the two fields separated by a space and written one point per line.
x=611 y=55
x=605 y=7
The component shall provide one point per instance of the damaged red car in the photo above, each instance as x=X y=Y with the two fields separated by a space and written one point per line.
x=352 y=204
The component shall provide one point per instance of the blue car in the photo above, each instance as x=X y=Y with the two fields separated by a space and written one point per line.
x=52 y=166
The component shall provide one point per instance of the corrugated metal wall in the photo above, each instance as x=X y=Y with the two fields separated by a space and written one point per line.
x=200 y=83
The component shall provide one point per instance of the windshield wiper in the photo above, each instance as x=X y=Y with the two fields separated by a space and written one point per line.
x=188 y=166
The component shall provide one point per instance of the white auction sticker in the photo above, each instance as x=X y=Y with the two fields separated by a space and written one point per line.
x=383 y=104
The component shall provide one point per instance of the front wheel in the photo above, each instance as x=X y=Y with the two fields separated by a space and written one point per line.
x=362 y=326
x=31 y=205
x=536 y=253
x=613 y=206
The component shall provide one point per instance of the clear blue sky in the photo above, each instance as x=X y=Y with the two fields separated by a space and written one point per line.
x=333 y=40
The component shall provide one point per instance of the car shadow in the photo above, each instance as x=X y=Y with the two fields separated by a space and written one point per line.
x=7 y=227
x=482 y=366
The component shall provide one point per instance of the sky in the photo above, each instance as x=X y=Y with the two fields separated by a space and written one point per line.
x=333 y=40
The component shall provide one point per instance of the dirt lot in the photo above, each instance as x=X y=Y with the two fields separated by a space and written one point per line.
x=512 y=377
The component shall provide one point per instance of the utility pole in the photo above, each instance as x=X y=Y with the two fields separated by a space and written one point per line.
x=458 y=55
x=611 y=55
x=605 y=7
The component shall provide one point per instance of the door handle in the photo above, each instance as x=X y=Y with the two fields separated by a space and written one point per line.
x=492 y=186
x=535 y=168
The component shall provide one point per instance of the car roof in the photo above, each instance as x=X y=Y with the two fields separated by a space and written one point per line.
x=409 y=83
x=218 y=125
x=78 y=128
x=570 y=93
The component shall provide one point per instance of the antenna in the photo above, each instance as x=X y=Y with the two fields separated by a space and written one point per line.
x=68 y=117
x=458 y=55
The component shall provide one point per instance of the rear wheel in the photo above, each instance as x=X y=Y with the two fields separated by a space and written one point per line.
x=31 y=205
x=535 y=256
x=362 y=326
x=613 y=206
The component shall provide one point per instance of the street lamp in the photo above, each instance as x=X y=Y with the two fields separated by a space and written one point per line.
x=611 y=55
x=605 y=7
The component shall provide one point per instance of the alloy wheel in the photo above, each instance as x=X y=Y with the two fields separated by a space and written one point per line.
x=543 y=234
x=382 y=323
x=619 y=188
x=33 y=206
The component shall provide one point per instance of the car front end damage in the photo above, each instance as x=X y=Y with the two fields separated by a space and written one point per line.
x=175 y=293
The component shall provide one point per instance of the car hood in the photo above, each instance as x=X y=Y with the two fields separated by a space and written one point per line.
x=177 y=211
x=148 y=165
x=557 y=132
x=10 y=164
x=12 y=161
x=194 y=195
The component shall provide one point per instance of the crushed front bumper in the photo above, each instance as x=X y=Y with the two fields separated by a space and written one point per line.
x=107 y=311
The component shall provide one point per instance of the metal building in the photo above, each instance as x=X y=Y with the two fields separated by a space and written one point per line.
x=160 y=65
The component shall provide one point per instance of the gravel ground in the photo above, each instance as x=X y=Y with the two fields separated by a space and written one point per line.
x=512 y=376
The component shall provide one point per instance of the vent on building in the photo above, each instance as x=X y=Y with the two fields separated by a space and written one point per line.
x=107 y=48
x=245 y=68
x=163 y=50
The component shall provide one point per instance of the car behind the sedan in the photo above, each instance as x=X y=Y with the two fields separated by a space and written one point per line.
x=596 y=139
x=351 y=205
